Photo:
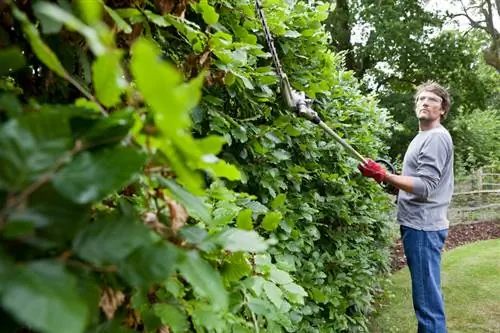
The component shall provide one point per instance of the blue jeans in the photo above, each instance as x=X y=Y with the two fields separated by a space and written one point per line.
x=423 y=255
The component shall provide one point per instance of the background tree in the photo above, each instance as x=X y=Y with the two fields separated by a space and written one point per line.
x=393 y=46
x=483 y=15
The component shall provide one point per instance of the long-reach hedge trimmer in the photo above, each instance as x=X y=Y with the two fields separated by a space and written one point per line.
x=297 y=101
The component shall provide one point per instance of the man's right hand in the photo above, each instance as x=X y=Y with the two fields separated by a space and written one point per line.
x=373 y=170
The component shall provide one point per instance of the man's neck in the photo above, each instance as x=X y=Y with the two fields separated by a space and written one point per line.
x=425 y=126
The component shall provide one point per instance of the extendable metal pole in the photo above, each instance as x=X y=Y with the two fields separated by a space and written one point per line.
x=298 y=104
x=306 y=112
x=344 y=144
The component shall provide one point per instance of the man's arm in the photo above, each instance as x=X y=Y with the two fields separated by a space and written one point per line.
x=405 y=183
x=431 y=160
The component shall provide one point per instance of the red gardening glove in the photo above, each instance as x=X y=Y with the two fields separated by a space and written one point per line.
x=373 y=170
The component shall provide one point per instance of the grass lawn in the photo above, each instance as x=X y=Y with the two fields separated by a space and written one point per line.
x=471 y=287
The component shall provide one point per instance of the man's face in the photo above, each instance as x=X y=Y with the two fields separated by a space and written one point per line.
x=428 y=106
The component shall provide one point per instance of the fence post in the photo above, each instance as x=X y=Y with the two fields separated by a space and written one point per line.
x=479 y=174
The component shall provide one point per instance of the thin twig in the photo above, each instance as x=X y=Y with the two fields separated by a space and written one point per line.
x=37 y=184
x=79 y=264
x=254 y=319
x=86 y=93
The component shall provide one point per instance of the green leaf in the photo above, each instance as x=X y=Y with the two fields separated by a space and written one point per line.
x=278 y=276
x=138 y=269
x=42 y=51
x=246 y=81
x=273 y=292
x=54 y=218
x=17 y=229
x=31 y=146
x=11 y=59
x=194 y=205
x=204 y=279
x=271 y=221
x=224 y=213
x=175 y=287
x=236 y=267
x=92 y=176
x=281 y=155
x=204 y=316
x=172 y=316
x=222 y=169
x=292 y=34
x=71 y=22
x=159 y=20
x=49 y=26
x=88 y=104
x=260 y=306
x=190 y=30
x=110 y=239
x=120 y=23
x=171 y=101
x=7 y=270
x=90 y=11
x=106 y=130
x=235 y=240
x=278 y=201
x=295 y=293
x=111 y=326
x=237 y=328
x=108 y=78
x=211 y=144
x=43 y=295
x=132 y=14
x=193 y=234
x=319 y=296
x=209 y=14
x=244 y=219
x=159 y=83
x=240 y=57
x=10 y=104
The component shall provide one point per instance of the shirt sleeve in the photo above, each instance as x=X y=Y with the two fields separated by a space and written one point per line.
x=432 y=159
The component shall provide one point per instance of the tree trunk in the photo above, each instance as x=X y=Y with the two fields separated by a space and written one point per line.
x=339 y=26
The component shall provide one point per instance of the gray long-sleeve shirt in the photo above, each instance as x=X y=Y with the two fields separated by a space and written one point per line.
x=429 y=159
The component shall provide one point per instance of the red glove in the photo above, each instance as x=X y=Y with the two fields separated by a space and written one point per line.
x=372 y=169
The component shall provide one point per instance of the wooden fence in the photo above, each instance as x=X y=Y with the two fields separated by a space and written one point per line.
x=476 y=197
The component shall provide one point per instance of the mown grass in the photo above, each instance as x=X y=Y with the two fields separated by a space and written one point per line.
x=471 y=287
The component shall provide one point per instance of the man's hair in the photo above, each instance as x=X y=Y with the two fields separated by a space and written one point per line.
x=438 y=90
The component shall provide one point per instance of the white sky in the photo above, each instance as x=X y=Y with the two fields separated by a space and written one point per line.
x=456 y=7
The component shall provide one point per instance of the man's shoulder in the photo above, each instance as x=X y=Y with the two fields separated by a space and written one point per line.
x=440 y=133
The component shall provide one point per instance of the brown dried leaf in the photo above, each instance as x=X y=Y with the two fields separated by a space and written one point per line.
x=178 y=214
x=132 y=319
x=204 y=58
x=164 y=329
x=151 y=220
x=174 y=7
x=110 y=301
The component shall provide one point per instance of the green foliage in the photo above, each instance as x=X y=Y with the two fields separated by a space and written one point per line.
x=476 y=138
x=168 y=188
x=396 y=45
x=44 y=296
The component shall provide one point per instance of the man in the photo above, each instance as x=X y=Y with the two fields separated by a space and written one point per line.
x=425 y=190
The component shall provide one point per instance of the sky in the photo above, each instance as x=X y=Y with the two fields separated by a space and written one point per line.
x=456 y=7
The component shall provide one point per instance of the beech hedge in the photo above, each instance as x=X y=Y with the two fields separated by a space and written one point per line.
x=152 y=181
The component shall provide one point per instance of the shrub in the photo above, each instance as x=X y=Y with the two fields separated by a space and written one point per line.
x=152 y=181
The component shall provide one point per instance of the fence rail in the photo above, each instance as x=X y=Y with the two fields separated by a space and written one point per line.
x=476 y=198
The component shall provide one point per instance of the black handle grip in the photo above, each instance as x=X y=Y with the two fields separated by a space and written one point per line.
x=389 y=188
